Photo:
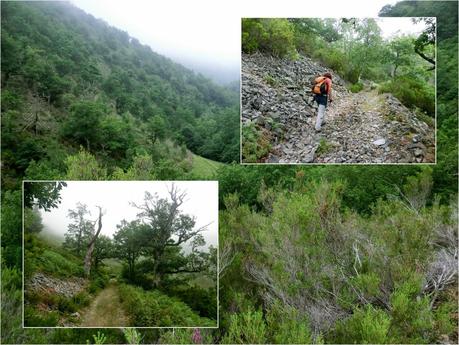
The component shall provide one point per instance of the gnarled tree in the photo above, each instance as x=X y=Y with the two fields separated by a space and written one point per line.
x=169 y=228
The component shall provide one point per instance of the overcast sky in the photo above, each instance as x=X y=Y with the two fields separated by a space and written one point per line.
x=207 y=32
x=114 y=197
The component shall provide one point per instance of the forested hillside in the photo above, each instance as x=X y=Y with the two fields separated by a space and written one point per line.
x=308 y=254
x=70 y=80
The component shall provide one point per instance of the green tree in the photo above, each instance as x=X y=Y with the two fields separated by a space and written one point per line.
x=402 y=53
x=156 y=128
x=84 y=166
x=167 y=227
x=32 y=220
x=83 y=123
x=426 y=40
x=45 y=195
x=12 y=228
x=80 y=231
x=129 y=240
x=104 y=249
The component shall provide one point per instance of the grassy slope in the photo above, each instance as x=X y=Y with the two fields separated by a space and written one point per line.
x=42 y=256
x=204 y=167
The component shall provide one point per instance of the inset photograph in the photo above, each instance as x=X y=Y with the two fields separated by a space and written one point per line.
x=338 y=90
x=120 y=254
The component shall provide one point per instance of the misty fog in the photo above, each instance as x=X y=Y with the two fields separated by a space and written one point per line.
x=115 y=197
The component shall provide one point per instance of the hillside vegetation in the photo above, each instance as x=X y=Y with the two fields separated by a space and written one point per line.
x=77 y=82
x=308 y=254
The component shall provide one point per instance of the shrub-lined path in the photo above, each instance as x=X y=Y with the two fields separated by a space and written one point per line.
x=105 y=310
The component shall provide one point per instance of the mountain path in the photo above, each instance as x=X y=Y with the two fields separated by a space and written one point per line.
x=356 y=124
x=362 y=127
x=105 y=310
x=358 y=128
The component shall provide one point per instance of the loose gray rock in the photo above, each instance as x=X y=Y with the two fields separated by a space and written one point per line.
x=359 y=127
x=42 y=283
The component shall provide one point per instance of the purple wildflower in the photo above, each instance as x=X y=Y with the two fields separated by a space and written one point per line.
x=196 y=337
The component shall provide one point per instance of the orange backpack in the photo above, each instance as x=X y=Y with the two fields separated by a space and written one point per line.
x=320 y=87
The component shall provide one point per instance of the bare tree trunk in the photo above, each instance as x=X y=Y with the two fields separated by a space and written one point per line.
x=91 y=246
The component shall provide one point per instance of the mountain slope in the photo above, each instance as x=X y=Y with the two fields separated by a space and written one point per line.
x=70 y=80
x=279 y=113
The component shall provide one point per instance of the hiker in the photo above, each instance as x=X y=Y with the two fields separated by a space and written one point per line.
x=322 y=95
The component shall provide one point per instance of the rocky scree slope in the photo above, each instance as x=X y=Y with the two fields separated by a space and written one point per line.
x=360 y=128
x=44 y=284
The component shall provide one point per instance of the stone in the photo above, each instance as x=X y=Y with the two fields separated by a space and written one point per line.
x=257 y=102
x=274 y=115
x=43 y=283
x=379 y=142
x=260 y=121
x=418 y=152
x=278 y=131
x=416 y=146
x=287 y=151
x=272 y=159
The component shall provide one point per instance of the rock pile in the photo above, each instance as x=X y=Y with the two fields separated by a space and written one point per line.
x=360 y=128
x=44 y=284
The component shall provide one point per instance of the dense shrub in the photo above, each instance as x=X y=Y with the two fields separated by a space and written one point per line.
x=287 y=326
x=331 y=58
x=81 y=299
x=356 y=87
x=274 y=36
x=154 y=309
x=366 y=326
x=255 y=143
x=247 y=327
x=187 y=336
x=201 y=300
x=98 y=282
x=412 y=93
x=327 y=262
x=32 y=318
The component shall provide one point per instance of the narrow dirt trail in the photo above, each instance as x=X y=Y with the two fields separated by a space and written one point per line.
x=105 y=310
